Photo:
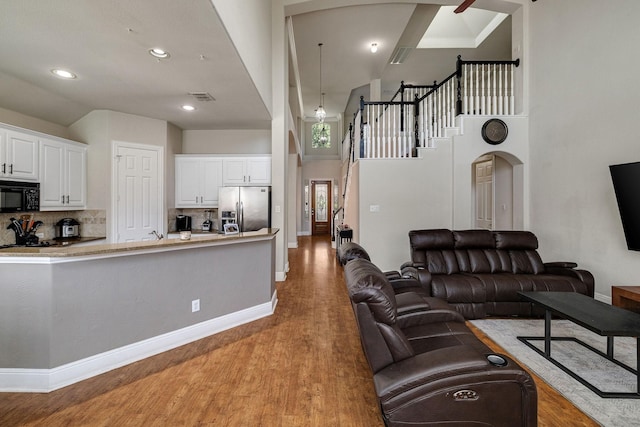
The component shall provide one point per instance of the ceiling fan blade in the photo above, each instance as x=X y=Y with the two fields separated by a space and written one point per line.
x=465 y=4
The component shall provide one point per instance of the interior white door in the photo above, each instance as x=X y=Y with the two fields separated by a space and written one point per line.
x=138 y=193
x=484 y=194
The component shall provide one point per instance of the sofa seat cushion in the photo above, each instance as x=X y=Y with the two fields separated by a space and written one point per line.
x=548 y=282
x=458 y=288
x=505 y=286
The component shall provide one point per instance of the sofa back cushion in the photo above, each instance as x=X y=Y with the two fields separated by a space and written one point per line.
x=471 y=250
x=521 y=248
x=351 y=250
x=375 y=307
x=435 y=250
x=366 y=283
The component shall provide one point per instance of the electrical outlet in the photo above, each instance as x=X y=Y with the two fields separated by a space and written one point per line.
x=195 y=305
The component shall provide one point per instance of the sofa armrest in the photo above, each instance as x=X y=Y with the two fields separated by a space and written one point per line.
x=415 y=310
x=412 y=264
x=392 y=275
x=561 y=264
x=422 y=275
x=414 y=386
x=583 y=275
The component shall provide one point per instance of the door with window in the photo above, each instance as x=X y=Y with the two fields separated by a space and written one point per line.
x=321 y=207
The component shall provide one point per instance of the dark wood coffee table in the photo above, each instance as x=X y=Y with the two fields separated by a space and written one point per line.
x=596 y=316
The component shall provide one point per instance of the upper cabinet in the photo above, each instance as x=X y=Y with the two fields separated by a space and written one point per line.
x=197 y=181
x=18 y=155
x=246 y=171
x=63 y=175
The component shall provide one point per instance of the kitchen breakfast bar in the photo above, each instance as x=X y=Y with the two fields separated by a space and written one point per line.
x=70 y=313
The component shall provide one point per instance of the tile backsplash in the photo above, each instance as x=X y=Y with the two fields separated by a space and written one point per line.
x=197 y=217
x=93 y=223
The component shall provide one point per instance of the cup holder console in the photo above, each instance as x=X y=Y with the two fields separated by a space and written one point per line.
x=497 y=360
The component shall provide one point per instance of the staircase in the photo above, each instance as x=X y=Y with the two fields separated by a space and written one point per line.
x=419 y=119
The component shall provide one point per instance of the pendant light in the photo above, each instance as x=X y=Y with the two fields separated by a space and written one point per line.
x=320 y=113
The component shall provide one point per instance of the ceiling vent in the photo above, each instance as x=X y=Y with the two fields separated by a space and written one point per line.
x=202 y=96
x=400 y=54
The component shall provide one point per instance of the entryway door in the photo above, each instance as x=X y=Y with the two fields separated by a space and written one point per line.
x=138 y=192
x=484 y=193
x=321 y=207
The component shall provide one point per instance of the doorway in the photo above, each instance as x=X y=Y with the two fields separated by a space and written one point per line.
x=497 y=192
x=137 y=192
x=484 y=190
x=321 y=204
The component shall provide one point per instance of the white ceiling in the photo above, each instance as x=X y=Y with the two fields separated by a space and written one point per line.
x=348 y=31
x=106 y=44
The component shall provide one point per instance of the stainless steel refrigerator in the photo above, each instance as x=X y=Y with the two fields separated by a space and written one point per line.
x=249 y=207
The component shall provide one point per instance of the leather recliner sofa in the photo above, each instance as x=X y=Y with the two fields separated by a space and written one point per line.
x=428 y=370
x=480 y=272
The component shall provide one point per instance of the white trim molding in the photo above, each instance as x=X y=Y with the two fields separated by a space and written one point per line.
x=47 y=380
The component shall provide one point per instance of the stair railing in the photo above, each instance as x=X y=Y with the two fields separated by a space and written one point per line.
x=486 y=87
x=383 y=130
x=395 y=128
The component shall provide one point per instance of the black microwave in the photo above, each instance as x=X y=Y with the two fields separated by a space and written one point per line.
x=19 y=196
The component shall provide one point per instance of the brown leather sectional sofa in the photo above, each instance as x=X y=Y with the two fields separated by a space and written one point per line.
x=480 y=272
x=428 y=367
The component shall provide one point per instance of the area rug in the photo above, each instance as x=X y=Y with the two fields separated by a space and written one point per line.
x=597 y=370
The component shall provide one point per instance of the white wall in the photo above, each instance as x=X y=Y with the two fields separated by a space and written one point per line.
x=584 y=117
x=423 y=199
x=99 y=129
x=27 y=122
x=468 y=146
x=231 y=141
x=293 y=201
x=248 y=24
x=94 y=130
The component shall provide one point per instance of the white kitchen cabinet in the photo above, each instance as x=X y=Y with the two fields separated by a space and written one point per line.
x=63 y=175
x=18 y=155
x=246 y=171
x=197 y=181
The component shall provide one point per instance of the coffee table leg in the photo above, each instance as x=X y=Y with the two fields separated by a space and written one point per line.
x=610 y=347
x=547 y=333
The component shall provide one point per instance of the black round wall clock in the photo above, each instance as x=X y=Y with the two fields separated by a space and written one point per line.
x=494 y=131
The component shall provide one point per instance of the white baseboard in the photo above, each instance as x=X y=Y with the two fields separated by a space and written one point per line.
x=47 y=380
x=603 y=298
x=281 y=276
x=293 y=245
x=304 y=233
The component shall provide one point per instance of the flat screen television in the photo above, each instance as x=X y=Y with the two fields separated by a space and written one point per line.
x=626 y=184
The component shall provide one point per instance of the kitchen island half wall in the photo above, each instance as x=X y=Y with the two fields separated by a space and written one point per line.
x=67 y=314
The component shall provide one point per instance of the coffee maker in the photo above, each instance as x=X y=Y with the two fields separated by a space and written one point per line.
x=207 y=225
x=183 y=223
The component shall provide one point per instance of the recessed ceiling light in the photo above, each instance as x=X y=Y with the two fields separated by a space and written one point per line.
x=63 y=74
x=188 y=107
x=374 y=47
x=159 y=53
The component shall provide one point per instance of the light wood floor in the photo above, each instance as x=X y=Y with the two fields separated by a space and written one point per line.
x=303 y=366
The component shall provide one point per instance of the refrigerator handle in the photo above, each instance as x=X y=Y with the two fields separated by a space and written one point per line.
x=241 y=225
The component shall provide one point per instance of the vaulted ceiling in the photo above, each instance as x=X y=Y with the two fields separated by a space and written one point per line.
x=106 y=44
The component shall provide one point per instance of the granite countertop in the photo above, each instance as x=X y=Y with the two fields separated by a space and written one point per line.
x=71 y=250
x=66 y=241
